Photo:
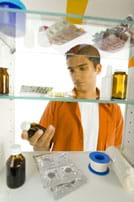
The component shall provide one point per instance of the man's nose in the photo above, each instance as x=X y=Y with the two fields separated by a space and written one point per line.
x=76 y=76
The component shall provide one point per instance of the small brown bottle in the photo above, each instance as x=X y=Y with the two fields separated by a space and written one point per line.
x=15 y=168
x=4 y=81
x=119 y=87
x=31 y=128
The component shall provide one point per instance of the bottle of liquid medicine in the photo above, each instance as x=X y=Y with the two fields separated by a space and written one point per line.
x=119 y=87
x=4 y=81
x=15 y=168
x=31 y=127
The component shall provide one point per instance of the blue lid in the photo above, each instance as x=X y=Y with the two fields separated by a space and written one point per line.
x=99 y=157
x=17 y=3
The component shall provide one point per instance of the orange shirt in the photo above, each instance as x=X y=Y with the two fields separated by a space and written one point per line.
x=66 y=118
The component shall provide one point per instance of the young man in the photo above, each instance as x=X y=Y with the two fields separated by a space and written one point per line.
x=78 y=126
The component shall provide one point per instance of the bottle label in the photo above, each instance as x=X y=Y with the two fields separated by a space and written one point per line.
x=4 y=83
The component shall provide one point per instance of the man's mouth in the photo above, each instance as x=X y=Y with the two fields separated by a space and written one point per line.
x=79 y=83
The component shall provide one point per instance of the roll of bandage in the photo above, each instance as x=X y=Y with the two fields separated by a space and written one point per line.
x=123 y=170
x=99 y=162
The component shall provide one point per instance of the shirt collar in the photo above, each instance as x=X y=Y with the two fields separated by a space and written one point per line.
x=74 y=92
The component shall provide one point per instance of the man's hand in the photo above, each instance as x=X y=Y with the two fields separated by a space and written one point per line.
x=41 y=141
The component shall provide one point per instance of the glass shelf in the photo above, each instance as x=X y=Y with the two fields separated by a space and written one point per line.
x=28 y=47
x=59 y=14
x=92 y=25
x=65 y=99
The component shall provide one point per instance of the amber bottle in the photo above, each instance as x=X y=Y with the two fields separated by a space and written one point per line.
x=4 y=81
x=31 y=127
x=15 y=168
x=119 y=87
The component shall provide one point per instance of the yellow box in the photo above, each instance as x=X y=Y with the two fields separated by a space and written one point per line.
x=77 y=7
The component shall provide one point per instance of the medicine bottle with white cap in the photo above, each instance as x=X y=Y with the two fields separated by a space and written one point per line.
x=106 y=85
x=15 y=168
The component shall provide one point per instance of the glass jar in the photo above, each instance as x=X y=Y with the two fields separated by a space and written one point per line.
x=15 y=168
x=4 y=81
x=119 y=86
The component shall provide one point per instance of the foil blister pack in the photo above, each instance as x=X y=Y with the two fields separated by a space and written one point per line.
x=115 y=38
x=59 y=174
x=62 y=32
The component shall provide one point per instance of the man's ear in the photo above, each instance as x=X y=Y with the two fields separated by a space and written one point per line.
x=98 y=68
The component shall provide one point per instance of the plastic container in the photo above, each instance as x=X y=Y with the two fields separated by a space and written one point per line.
x=12 y=23
x=43 y=40
x=106 y=85
x=119 y=88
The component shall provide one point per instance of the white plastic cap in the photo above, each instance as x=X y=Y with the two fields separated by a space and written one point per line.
x=15 y=149
x=25 y=125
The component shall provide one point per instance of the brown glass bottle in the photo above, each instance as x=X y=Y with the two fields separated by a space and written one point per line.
x=119 y=87
x=33 y=128
x=4 y=81
x=15 y=168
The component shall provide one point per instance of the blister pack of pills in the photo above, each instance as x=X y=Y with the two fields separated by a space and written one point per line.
x=31 y=90
x=113 y=39
x=59 y=174
x=62 y=32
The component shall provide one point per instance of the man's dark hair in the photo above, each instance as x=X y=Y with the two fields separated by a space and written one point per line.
x=87 y=50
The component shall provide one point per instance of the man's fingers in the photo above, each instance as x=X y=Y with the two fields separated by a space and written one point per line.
x=49 y=134
x=35 y=138
x=24 y=135
x=46 y=138
x=40 y=140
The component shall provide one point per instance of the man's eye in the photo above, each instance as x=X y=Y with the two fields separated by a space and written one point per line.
x=82 y=68
x=71 y=70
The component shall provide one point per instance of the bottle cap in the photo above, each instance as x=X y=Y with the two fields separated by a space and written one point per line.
x=25 y=125
x=15 y=149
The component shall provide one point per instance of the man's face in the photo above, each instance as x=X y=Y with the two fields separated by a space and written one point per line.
x=83 y=73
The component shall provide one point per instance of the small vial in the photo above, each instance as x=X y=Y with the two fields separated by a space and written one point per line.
x=15 y=168
x=119 y=87
x=4 y=81
x=31 y=128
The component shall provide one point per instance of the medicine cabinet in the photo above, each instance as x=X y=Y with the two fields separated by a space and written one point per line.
x=33 y=60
